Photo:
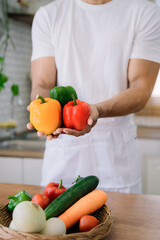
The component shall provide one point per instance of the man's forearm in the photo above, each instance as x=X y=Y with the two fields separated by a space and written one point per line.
x=44 y=75
x=129 y=101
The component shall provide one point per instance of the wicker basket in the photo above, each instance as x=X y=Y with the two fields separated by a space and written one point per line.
x=103 y=215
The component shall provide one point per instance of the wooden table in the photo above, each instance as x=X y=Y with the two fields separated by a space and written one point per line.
x=135 y=217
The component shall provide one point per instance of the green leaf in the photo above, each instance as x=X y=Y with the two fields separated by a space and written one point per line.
x=3 y=78
x=15 y=89
x=1 y=59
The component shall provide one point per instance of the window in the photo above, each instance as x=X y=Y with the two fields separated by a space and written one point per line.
x=152 y=108
x=156 y=90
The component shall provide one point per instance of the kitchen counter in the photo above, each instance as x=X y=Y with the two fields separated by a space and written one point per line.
x=135 y=217
x=27 y=144
x=21 y=153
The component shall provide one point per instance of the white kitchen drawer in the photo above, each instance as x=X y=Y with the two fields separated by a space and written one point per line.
x=11 y=170
x=149 y=150
x=152 y=174
x=32 y=169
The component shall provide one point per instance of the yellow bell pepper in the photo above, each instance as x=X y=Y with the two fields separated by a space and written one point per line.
x=45 y=114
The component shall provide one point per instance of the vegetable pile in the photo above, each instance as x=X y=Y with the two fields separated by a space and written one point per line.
x=62 y=109
x=57 y=209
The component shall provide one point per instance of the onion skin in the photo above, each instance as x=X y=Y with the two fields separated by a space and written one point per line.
x=54 y=226
x=12 y=226
x=29 y=217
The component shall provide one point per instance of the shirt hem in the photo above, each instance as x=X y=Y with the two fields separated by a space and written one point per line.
x=146 y=57
x=35 y=58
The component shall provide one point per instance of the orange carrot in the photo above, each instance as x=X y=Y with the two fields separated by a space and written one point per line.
x=85 y=205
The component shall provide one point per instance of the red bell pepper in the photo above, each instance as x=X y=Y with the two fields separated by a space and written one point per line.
x=53 y=190
x=76 y=114
x=41 y=199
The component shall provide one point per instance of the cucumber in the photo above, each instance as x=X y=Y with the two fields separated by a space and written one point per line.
x=70 y=196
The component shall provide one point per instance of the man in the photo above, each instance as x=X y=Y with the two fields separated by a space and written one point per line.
x=109 y=51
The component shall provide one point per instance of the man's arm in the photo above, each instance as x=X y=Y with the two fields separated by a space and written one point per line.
x=142 y=75
x=44 y=75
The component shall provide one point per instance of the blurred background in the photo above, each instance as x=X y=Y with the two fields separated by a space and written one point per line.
x=21 y=152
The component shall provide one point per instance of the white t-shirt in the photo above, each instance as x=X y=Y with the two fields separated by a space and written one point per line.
x=92 y=46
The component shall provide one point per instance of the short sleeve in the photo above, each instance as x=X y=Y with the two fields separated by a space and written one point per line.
x=146 y=44
x=42 y=45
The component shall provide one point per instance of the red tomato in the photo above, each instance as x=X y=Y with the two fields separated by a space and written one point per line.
x=41 y=199
x=87 y=222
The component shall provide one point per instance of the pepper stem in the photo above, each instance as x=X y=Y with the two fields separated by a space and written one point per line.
x=60 y=184
x=74 y=99
x=40 y=97
x=13 y=197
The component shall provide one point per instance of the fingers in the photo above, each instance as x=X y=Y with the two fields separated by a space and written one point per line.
x=28 y=108
x=40 y=134
x=58 y=131
x=72 y=132
x=55 y=134
x=90 y=121
x=29 y=126
x=76 y=133
x=49 y=137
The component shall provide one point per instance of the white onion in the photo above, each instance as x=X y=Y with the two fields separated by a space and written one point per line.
x=29 y=217
x=54 y=226
x=12 y=225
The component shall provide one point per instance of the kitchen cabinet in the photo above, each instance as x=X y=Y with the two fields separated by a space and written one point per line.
x=152 y=174
x=20 y=170
x=32 y=168
x=25 y=18
x=27 y=169
x=149 y=150
x=22 y=13
x=11 y=170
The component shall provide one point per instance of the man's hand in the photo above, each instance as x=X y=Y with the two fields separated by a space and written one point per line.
x=92 y=120
x=40 y=134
